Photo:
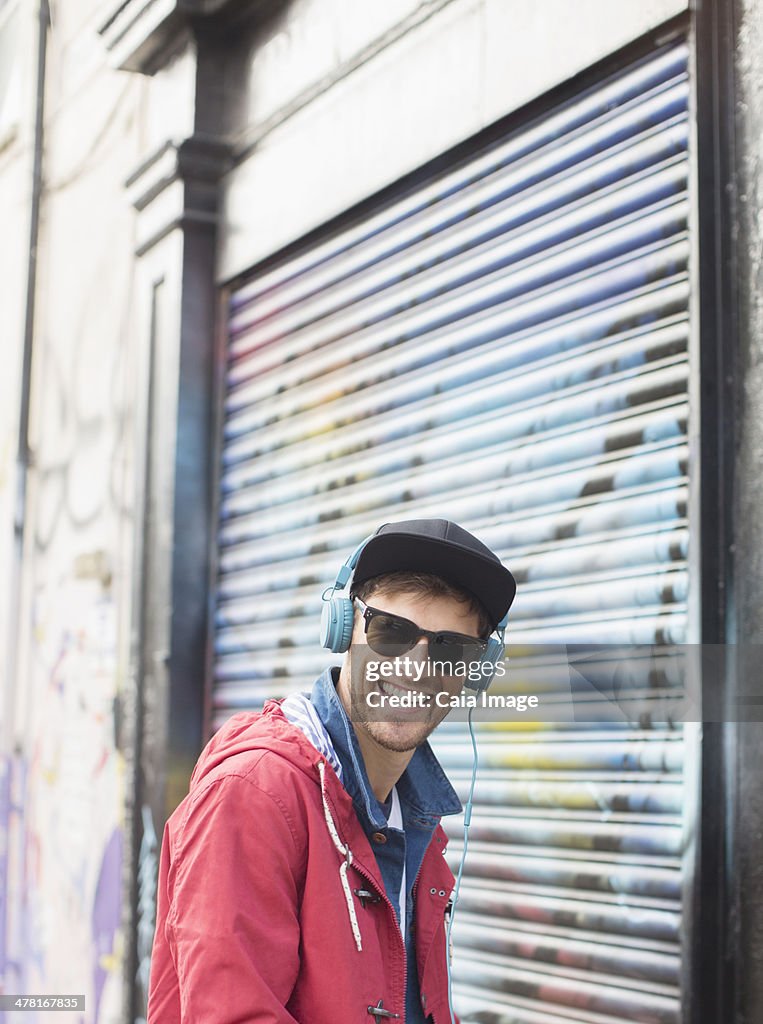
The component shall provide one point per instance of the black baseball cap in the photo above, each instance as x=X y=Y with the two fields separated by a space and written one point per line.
x=444 y=549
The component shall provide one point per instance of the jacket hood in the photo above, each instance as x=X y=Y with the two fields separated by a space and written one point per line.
x=270 y=730
x=246 y=731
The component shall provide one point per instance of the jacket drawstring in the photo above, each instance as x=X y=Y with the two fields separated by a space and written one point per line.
x=345 y=852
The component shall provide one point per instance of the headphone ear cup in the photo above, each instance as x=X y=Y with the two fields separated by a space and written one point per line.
x=337 y=620
x=493 y=654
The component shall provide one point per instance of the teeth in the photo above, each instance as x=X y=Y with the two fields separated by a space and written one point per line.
x=388 y=686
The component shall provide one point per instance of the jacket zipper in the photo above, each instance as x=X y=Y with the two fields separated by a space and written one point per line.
x=367 y=876
x=413 y=894
x=416 y=882
x=362 y=871
x=382 y=893
x=433 y=1015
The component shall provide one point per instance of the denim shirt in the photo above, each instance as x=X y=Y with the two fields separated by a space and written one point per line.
x=425 y=795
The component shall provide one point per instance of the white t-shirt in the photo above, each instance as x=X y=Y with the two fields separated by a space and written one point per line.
x=395 y=820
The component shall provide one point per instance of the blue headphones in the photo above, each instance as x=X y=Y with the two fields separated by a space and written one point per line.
x=338 y=617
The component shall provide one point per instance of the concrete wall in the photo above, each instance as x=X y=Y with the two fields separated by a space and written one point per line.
x=66 y=841
x=369 y=92
x=748 y=518
x=16 y=132
x=17 y=46
x=70 y=895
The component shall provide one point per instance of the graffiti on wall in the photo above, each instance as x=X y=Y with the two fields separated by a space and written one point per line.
x=69 y=930
x=147 y=874
x=5 y=808
x=73 y=808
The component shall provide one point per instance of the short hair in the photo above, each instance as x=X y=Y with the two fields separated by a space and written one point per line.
x=427 y=585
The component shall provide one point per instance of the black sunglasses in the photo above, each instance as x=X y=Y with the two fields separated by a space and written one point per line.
x=391 y=635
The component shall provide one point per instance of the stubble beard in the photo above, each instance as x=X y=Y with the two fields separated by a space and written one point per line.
x=398 y=736
x=386 y=732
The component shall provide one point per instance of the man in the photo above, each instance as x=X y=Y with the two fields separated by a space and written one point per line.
x=302 y=880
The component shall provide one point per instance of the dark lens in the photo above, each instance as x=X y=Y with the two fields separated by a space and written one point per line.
x=455 y=640
x=455 y=655
x=474 y=650
x=446 y=659
x=390 y=636
x=470 y=646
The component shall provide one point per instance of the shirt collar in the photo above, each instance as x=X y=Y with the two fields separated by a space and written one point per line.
x=423 y=787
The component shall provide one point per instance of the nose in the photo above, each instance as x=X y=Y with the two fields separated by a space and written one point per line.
x=419 y=653
x=420 y=648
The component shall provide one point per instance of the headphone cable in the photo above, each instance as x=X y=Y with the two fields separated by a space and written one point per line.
x=467 y=822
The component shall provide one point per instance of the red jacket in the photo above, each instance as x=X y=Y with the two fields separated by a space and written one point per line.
x=261 y=913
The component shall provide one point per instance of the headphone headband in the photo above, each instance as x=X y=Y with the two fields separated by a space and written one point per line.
x=345 y=572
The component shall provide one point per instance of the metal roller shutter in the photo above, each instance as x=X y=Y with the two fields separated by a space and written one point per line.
x=505 y=345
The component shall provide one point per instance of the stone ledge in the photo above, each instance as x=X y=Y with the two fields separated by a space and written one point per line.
x=138 y=30
x=176 y=186
x=137 y=33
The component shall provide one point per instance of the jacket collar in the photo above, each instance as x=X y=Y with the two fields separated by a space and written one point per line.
x=423 y=788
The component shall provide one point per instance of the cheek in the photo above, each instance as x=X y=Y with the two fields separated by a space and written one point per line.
x=359 y=656
x=453 y=684
x=358 y=632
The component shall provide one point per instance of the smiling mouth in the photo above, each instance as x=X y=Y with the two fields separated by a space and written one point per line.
x=390 y=689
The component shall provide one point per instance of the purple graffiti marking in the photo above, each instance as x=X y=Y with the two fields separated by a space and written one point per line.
x=106 y=912
x=5 y=809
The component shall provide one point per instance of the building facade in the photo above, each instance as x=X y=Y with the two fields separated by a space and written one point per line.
x=280 y=271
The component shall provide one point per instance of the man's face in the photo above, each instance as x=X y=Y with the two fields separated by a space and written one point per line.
x=401 y=729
